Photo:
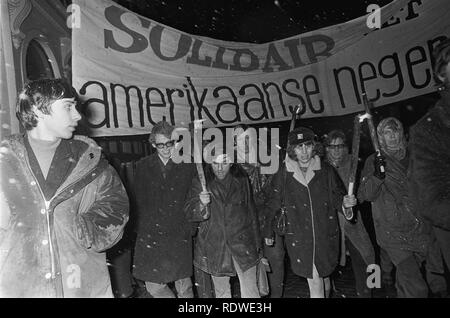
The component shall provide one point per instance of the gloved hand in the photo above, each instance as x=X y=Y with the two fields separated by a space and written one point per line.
x=380 y=167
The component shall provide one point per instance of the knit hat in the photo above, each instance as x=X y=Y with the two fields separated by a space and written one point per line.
x=300 y=135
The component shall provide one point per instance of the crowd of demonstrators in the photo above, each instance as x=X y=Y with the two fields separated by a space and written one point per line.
x=313 y=195
x=62 y=204
x=228 y=241
x=163 y=251
x=429 y=173
x=354 y=236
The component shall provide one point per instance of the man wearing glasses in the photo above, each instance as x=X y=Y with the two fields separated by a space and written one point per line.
x=163 y=251
x=354 y=236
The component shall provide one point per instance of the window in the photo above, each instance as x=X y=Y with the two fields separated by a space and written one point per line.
x=37 y=62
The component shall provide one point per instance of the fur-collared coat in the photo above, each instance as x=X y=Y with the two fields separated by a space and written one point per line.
x=312 y=203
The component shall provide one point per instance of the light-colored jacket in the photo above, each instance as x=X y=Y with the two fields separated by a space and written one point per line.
x=56 y=248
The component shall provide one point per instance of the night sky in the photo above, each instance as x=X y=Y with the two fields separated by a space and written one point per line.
x=256 y=21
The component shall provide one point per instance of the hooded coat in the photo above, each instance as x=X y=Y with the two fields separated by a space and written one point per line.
x=56 y=247
x=398 y=229
x=312 y=204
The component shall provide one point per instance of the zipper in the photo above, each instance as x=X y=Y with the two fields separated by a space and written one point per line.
x=312 y=223
x=47 y=209
x=47 y=206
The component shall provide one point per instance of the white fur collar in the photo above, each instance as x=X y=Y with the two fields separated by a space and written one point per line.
x=292 y=166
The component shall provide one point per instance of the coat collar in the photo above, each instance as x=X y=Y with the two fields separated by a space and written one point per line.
x=292 y=166
x=88 y=161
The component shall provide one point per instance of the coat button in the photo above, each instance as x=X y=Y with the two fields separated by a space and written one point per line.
x=48 y=276
x=42 y=211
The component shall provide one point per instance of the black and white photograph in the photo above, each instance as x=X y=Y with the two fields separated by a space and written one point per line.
x=233 y=153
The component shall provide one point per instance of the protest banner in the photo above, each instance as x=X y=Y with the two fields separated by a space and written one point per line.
x=132 y=71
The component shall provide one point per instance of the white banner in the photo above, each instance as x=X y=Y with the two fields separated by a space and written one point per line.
x=133 y=72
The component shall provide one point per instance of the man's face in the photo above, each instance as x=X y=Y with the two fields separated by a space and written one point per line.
x=62 y=120
x=304 y=152
x=221 y=169
x=164 y=146
x=391 y=137
x=336 y=149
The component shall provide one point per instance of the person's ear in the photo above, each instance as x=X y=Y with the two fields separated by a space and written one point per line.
x=39 y=114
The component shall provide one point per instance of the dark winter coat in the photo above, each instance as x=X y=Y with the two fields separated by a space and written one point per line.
x=55 y=248
x=260 y=185
x=232 y=230
x=355 y=231
x=163 y=251
x=398 y=230
x=430 y=163
x=313 y=231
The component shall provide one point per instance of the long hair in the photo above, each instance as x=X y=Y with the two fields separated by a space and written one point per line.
x=395 y=125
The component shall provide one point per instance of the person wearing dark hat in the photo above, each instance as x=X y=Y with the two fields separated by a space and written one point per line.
x=429 y=171
x=313 y=195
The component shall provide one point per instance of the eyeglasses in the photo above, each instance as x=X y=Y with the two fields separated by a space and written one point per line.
x=168 y=144
x=336 y=147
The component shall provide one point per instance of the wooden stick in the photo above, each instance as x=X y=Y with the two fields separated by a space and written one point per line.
x=372 y=130
x=294 y=117
x=355 y=154
x=198 y=155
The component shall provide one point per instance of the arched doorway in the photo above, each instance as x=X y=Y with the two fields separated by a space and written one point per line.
x=37 y=64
